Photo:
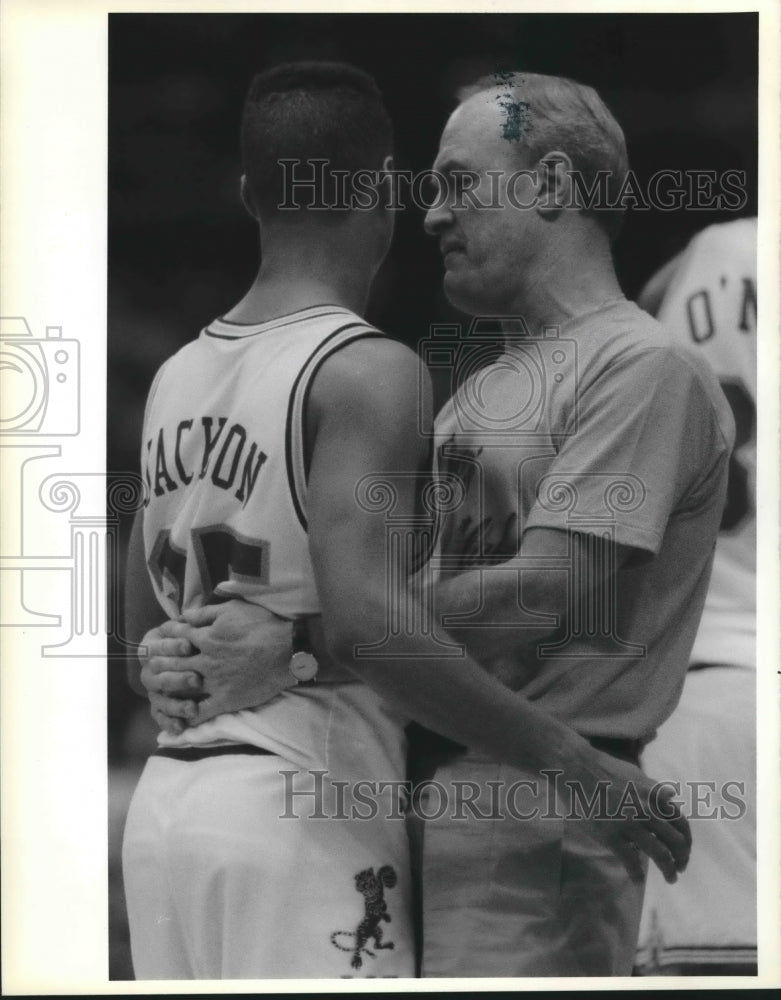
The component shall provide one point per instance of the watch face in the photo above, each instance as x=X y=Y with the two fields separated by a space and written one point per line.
x=303 y=666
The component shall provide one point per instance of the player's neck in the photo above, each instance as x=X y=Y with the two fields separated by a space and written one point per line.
x=297 y=275
x=270 y=297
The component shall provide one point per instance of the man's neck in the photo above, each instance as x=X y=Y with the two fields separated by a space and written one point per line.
x=570 y=280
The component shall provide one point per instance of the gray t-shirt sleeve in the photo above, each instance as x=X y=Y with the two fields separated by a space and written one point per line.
x=646 y=442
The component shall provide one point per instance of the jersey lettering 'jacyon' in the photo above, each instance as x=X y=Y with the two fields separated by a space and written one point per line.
x=226 y=456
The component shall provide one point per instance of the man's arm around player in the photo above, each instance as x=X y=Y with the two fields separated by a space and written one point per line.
x=363 y=420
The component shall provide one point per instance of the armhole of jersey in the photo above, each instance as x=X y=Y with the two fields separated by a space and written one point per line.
x=437 y=489
x=148 y=408
x=295 y=427
x=150 y=398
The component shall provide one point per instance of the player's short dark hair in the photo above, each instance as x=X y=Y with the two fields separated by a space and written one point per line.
x=311 y=110
x=559 y=113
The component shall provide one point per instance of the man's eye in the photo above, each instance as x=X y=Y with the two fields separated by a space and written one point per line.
x=433 y=189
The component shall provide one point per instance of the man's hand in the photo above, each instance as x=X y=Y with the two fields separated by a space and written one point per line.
x=637 y=817
x=220 y=658
x=168 y=676
x=243 y=656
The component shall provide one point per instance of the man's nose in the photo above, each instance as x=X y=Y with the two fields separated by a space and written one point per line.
x=438 y=217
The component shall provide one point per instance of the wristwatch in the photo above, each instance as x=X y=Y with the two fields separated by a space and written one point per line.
x=303 y=663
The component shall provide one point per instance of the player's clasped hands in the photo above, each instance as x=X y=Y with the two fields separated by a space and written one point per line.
x=209 y=662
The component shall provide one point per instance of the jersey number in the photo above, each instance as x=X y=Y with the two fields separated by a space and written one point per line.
x=220 y=554
x=739 y=504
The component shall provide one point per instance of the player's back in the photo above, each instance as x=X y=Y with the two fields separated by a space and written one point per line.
x=710 y=305
x=224 y=456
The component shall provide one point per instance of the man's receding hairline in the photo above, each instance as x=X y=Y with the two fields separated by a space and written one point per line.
x=490 y=103
x=474 y=94
x=488 y=95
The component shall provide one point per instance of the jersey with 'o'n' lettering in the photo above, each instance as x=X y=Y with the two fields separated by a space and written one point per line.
x=223 y=455
x=710 y=305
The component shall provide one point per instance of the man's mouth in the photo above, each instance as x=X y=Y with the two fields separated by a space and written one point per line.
x=450 y=250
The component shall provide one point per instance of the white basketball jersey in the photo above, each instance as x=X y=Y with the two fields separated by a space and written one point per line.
x=711 y=306
x=223 y=456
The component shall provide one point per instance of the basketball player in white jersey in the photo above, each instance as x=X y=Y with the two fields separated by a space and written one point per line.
x=257 y=439
x=217 y=885
x=707 y=925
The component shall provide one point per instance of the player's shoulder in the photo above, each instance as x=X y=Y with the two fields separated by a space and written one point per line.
x=372 y=372
x=732 y=236
x=730 y=245
x=182 y=356
x=369 y=359
x=717 y=250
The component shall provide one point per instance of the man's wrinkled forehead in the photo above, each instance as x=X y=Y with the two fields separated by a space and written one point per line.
x=483 y=131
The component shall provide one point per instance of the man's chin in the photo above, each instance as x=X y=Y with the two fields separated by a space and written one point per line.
x=459 y=294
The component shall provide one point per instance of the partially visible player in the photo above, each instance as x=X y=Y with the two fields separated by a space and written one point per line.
x=707 y=925
x=257 y=438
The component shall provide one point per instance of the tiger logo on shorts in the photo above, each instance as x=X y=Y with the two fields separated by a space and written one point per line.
x=372 y=887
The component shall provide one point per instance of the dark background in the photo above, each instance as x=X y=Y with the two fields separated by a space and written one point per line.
x=181 y=250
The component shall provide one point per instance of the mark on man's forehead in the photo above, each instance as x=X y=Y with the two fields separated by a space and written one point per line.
x=517 y=119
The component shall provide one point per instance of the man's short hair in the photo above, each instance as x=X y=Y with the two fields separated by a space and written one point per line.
x=311 y=110
x=553 y=112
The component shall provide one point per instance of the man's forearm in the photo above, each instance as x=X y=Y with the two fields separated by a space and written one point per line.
x=487 y=610
x=506 y=610
x=458 y=699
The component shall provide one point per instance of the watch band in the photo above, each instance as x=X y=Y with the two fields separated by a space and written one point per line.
x=303 y=653
x=301 y=641
x=303 y=663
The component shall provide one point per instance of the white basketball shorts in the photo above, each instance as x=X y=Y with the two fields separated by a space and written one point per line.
x=230 y=876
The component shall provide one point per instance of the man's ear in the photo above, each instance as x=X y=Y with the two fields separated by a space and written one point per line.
x=246 y=198
x=385 y=182
x=555 y=183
